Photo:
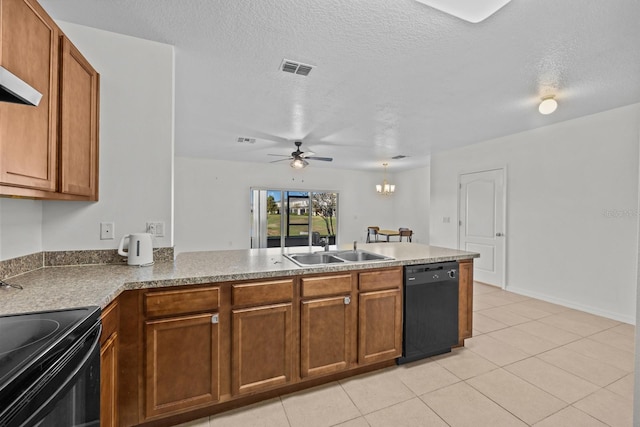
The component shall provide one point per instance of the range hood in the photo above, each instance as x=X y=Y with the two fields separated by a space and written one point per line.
x=12 y=89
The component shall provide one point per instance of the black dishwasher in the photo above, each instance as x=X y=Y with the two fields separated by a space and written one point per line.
x=430 y=315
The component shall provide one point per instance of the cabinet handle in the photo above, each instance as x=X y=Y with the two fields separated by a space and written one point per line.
x=214 y=318
x=347 y=300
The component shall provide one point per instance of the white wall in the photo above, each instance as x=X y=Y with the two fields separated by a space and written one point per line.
x=572 y=200
x=636 y=391
x=411 y=205
x=20 y=227
x=136 y=144
x=212 y=208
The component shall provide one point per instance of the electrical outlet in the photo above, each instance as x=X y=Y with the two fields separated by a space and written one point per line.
x=107 y=230
x=156 y=228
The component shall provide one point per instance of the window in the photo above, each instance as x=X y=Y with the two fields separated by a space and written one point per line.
x=283 y=218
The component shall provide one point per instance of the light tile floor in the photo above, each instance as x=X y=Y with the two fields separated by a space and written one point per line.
x=529 y=363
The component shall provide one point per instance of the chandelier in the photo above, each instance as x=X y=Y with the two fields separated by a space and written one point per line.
x=385 y=188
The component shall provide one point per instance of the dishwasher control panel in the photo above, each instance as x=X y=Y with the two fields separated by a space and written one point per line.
x=429 y=273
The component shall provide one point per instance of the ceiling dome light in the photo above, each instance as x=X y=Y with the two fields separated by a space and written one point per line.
x=473 y=11
x=548 y=105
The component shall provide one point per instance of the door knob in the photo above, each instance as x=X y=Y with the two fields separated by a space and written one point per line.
x=499 y=234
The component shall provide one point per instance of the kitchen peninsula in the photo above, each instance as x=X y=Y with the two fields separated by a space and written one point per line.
x=216 y=330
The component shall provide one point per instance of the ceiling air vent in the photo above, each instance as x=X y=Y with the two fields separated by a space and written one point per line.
x=246 y=140
x=295 y=67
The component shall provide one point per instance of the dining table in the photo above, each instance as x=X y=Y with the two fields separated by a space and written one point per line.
x=388 y=233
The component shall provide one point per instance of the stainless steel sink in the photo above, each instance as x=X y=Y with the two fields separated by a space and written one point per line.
x=313 y=259
x=359 y=255
x=319 y=258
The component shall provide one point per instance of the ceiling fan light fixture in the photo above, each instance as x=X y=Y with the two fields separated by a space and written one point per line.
x=548 y=105
x=473 y=11
x=298 y=163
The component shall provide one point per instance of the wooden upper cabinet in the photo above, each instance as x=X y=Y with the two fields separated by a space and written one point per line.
x=79 y=100
x=28 y=135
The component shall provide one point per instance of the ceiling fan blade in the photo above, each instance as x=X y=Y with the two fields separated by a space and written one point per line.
x=323 y=159
x=281 y=160
x=279 y=155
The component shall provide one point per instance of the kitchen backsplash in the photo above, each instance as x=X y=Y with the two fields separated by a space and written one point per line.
x=15 y=266
x=20 y=265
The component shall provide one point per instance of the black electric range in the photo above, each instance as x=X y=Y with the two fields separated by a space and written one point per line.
x=32 y=346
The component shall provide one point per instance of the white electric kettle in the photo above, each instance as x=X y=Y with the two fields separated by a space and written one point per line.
x=140 y=249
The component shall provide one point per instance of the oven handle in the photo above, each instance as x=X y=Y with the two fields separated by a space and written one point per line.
x=71 y=378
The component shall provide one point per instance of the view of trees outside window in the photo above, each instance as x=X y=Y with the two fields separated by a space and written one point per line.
x=303 y=208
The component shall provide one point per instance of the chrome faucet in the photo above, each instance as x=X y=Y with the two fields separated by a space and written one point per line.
x=325 y=244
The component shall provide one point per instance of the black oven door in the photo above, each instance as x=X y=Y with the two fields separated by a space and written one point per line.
x=67 y=393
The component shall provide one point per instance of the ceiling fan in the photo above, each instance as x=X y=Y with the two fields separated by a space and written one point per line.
x=299 y=158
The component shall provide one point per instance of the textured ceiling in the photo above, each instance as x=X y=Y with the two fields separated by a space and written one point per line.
x=391 y=76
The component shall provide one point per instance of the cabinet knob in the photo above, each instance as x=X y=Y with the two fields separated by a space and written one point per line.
x=347 y=300
x=214 y=318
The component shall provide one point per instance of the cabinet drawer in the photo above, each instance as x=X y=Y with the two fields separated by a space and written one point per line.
x=262 y=292
x=382 y=279
x=181 y=301
x=327 y=285
x=109 y=321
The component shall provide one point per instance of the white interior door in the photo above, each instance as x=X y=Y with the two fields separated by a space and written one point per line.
x=482 y=223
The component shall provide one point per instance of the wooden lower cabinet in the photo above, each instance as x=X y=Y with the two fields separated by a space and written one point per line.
x=109 y=346
x=109 y=382
x=325 y=335
x=327 y=323
x=193 y=351
x=182 y=368
x=262 y=347
x=380 y=325
x=465 y=300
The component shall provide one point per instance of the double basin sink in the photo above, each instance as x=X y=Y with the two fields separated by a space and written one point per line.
x=332 y=257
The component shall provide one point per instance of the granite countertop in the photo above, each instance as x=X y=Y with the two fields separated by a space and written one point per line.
x=53 y=288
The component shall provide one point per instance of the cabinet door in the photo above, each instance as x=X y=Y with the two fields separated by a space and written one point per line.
x=262 y=347
x=28 y=135
x=465 y=300
x=380 y=326
x=182 y=368
x=109 y=382
x=79 y=88
x=325 y=335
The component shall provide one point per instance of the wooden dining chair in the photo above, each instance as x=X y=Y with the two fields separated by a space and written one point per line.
x=372 y=234
x=405 y=232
